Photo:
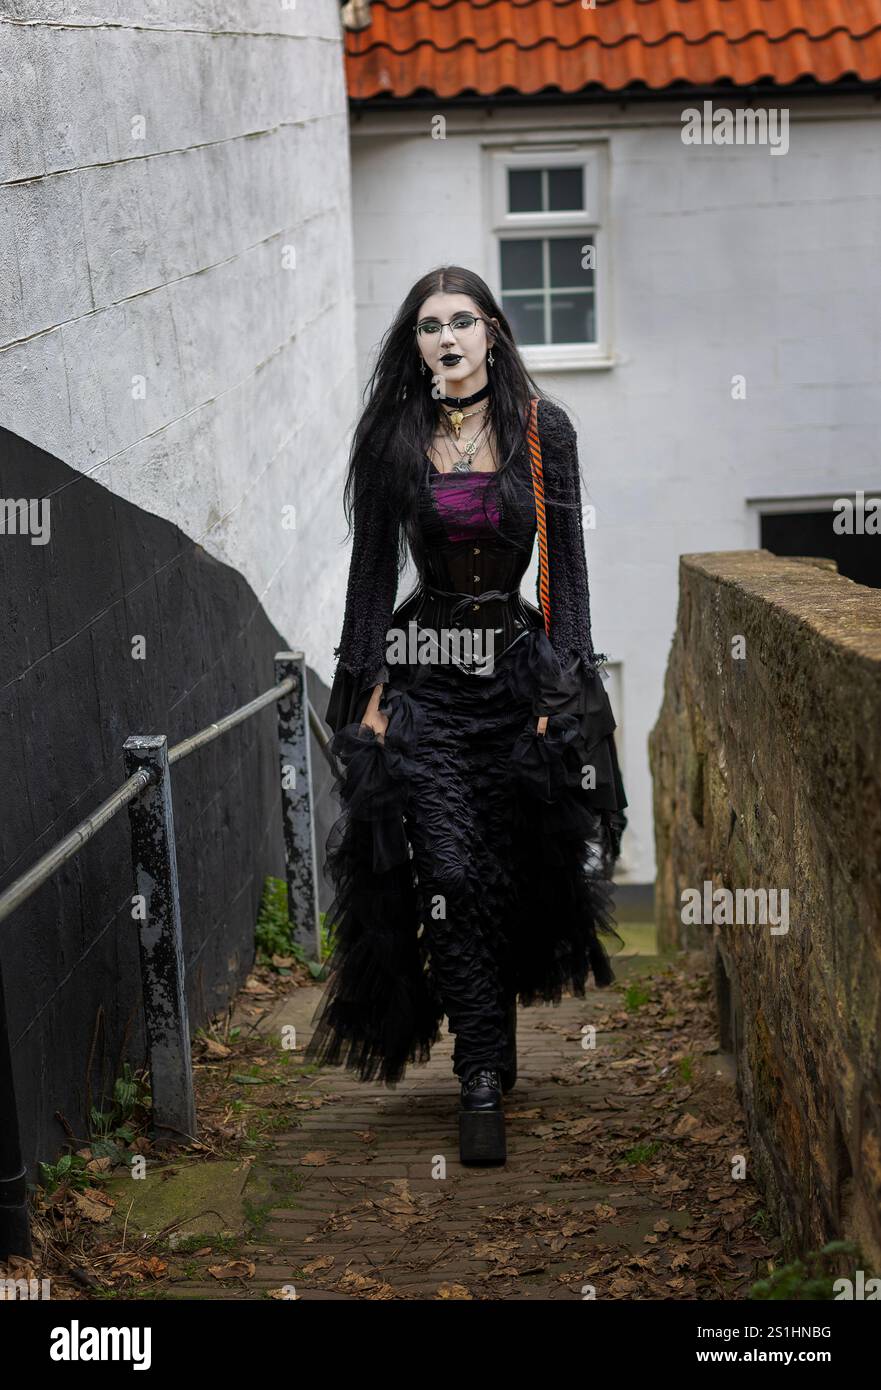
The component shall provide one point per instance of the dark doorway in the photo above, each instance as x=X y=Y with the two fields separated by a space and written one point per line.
x=811 y=533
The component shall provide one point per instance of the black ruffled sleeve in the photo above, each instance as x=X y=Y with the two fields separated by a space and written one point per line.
x=567 y=563
x=370 y=597
x=349 y=697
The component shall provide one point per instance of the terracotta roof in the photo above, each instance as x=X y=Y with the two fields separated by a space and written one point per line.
x=455 y=47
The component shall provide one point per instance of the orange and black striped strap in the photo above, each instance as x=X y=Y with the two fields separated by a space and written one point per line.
x=540 y=521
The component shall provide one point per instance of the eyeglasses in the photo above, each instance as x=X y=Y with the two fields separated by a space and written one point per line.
x=460 y=323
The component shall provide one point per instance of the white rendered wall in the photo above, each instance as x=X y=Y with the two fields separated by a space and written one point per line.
x=158 y=158
x=723 y=261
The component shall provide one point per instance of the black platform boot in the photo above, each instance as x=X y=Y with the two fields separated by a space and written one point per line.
x=481 y=1118
x=508 y=1073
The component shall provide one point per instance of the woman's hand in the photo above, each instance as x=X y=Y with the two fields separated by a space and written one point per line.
x=373 y=717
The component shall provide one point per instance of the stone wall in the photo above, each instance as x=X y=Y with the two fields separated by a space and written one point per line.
x=766 y=760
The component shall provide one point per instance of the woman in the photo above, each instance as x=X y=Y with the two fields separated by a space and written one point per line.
x=482 y=801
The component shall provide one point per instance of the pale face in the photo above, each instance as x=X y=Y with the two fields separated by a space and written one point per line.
x=456 y=354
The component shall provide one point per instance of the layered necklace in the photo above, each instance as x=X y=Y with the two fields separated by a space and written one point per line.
x=453 y=419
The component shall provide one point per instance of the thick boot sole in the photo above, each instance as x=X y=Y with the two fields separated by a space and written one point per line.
x=482 y=1136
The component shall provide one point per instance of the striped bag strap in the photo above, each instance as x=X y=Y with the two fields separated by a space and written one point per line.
x=540 y=520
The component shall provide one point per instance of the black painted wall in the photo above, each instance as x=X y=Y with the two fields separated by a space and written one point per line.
x=70 y=694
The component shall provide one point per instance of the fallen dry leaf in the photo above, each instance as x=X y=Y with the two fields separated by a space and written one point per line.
x=686 y=1124
x=138 y=1267
x=93 y=1204
x=605 y=1213
x=254 y=986
x=353 y=1282
x=236 y=1269
x=623 y=1287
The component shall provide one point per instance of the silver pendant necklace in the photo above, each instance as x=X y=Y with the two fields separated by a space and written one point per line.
x=466 y=455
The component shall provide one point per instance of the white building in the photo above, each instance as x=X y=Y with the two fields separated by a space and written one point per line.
x=721 y=361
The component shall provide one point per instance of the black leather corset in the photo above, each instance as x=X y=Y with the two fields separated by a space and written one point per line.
x=473 y=586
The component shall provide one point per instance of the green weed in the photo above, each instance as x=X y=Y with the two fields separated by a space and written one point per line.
x=641 y=1153
x=636 y=995
x=274 y=932
x=808 y=1279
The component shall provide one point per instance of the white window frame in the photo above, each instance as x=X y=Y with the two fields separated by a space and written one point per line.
x=591 y=221
x=757 y=507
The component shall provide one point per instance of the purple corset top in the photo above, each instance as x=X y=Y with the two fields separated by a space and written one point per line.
x=464 y=506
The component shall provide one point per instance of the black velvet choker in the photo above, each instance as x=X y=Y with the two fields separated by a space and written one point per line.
x=460 y=402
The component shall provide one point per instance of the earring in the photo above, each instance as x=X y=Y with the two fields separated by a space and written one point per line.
x=490 y=359
x=422 y=366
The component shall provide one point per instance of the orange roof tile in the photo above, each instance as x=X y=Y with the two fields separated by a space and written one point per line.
x=454 y=47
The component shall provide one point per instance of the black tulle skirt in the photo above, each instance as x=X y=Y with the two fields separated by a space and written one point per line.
x=464 y=804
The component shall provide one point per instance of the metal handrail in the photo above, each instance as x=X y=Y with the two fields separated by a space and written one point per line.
x=148 y=795
x=322 y=737
x=213 y=731
x=23 y=887
x=19 y=891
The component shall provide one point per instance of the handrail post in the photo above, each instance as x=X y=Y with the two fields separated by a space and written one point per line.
x=296 y=802
x=15 y=1233
x=154 y=858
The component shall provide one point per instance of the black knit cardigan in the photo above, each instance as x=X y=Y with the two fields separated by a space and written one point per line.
x=373 y=571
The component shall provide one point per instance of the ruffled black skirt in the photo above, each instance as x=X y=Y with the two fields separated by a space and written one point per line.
x=463 y=803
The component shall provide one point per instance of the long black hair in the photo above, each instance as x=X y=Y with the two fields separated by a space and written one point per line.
x=395 y=430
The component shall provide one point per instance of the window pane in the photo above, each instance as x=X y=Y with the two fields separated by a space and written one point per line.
x=524 y=190
x=572 y=318
x=565 y=256
x=521 y=265
x=565 y=189
x=526 y=317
